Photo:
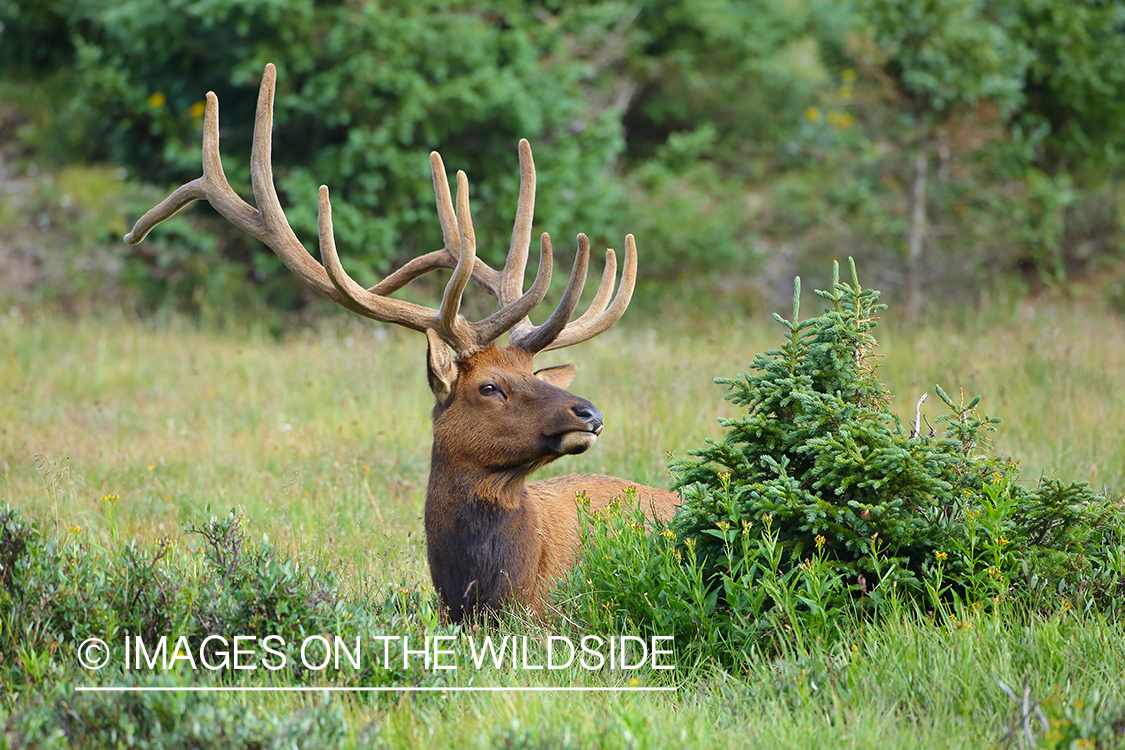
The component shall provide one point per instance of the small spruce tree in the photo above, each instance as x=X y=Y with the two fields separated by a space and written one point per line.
x=818 y=501
x=819 y=452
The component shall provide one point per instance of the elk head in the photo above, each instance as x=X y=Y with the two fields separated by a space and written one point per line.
x=495 y=413
x=496 y=419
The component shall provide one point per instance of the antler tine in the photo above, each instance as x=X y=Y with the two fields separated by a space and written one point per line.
x=275 y=230
x=511 y=278
x=535 y=338
x=467 y=254
x=586 y=327
x=505 y=286
x=450 y=234
x=483 y=274
x=449 y=256
x=212 y=186
x=605 y=288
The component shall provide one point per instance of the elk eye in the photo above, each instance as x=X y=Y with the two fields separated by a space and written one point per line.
x=488 y=389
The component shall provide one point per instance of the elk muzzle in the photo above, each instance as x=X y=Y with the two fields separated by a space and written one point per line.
x=581 y=439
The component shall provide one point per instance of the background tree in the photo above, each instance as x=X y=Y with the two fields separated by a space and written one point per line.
x=1068 y=135
x=946 y=59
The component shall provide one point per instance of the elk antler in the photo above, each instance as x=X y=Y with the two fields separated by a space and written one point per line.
x=557 y=332
x=268 y=224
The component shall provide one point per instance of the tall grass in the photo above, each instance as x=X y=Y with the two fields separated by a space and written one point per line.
x=325 y=431
x=321 y=438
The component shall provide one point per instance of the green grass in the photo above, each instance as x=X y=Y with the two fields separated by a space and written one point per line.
x=321 y=439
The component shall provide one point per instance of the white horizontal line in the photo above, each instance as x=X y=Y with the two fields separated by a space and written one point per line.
x=360 y=689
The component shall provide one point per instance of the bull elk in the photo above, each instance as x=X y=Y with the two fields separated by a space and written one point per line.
x=492 y=537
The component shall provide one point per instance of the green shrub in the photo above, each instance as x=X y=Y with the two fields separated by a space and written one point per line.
x=56 y=591
x=818 y=503
x=169 y=719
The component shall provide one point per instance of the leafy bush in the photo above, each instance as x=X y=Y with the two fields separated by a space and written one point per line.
x=818 y=502
x=55 y=592
x=169 y=719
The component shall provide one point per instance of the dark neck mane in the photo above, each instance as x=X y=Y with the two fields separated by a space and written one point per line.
x=480 y=535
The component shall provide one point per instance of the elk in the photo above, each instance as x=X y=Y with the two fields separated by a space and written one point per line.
x=492 y=537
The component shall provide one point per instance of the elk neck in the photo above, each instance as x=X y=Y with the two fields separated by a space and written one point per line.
x=455 y=482
x=481 y=540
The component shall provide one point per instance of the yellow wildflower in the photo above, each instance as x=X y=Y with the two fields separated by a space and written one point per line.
x=845 y=92
x=812 y=114
x=847 y=75
x=156 y=100
x=198 y=109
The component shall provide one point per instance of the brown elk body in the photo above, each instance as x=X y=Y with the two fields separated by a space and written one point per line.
x=492 y=537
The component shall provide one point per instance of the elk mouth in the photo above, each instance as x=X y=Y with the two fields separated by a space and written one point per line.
x=573 y=442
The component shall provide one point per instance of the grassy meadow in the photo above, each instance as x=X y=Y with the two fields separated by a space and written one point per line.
x=320 y=438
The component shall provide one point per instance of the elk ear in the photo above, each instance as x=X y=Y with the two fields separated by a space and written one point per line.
x=441 y=370
x=560 y=377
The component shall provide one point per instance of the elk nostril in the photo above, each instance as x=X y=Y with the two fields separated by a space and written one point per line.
x=589 y=414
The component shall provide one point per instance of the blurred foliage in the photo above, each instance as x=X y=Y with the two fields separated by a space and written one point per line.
x=946 y=55
x=1073 y=110
x=741 y=138
x=365 y=92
